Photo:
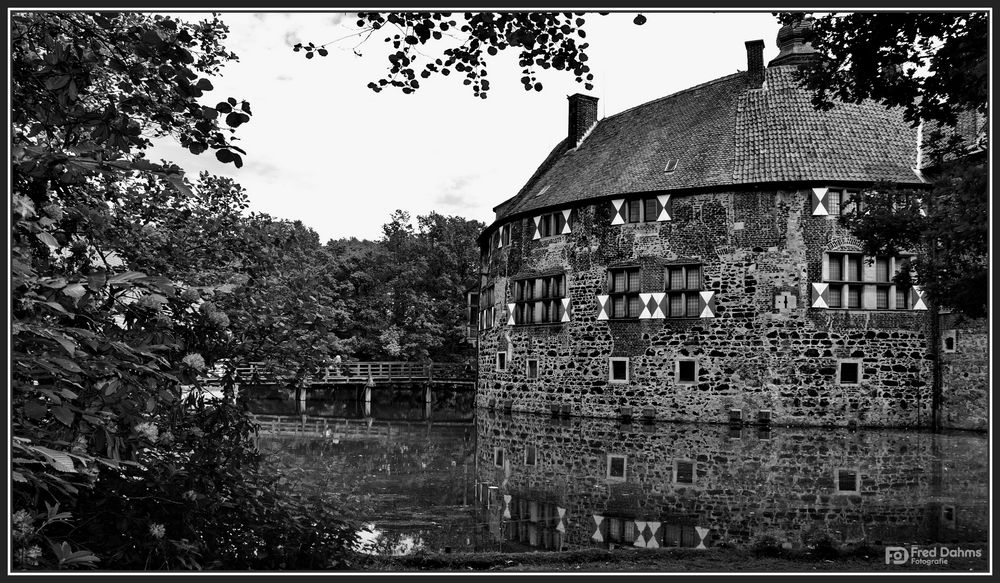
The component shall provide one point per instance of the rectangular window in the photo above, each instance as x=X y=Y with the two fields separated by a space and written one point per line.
x=850 y=373
x=833 y=198
x=551 y=224
x=616 y=467
x=687 y=371
x=649 y=209
x=882 y=297
x=486 y=307
x=498 y=457
x=539 y=300
x=848 y=480
x=836 y=268
x=854 y=296
x=529 y=455
x=882 y=269
x=683 y=472
x=624 y=293
x=683 y=284
x=635 y=211
x=835 y=293
x=501 y=361
x=902 y=298
x=532 y=368
x=618 y=370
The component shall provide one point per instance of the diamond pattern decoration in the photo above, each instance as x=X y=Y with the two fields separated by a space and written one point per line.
x=702 y=533
x=560 y=522
x=820 y=202
x=538 y=233
x=647 y=309
x=510 y=314
x=640 y=540
x=917 y=299
x=506 y=505
x=820 y=295
x=565 y=304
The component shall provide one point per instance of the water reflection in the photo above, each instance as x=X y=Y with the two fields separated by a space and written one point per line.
x=414 y=403
x=572 y=483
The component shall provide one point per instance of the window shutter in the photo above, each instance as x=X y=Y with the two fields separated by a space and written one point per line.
x=560 y=516
x=565 y=305
x=566 y=228
x=646 y=311
x=620 y=210
x=598 y=528
x=820 y=201
x=706 y=303
x=499 y=238
x=820 y=295
x=665 y=206
x=538 y=231
x=602 y=310
x=640 y=537
x=510 y=314
x=917 y=299
x=506 y=505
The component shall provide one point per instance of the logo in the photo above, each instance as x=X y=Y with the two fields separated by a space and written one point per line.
x=896 y=555
x=924 y=555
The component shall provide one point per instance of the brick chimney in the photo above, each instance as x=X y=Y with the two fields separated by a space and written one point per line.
x=755 y=62
x=582 y=116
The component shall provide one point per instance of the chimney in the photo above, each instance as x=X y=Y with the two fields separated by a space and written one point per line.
x=582 y=116
x=755 y=62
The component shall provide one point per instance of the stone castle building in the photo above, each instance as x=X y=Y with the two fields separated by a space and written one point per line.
x=683 y=261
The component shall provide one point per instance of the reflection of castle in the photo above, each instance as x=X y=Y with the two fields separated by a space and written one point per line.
x=583 y=482
x=683 y=259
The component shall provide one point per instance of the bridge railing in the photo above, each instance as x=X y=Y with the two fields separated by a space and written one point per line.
x=362 y=371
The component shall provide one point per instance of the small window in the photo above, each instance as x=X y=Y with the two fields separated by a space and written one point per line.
x=849 y=373
x=949 y=340
x=532 y=368
x=635 y=211
x=529 y=455
x=683 y=472
x=501 y=361
x=671 y=165
x=619 y=370
x=833 y=199
x=551 y=224
x=848 y=480
x=948 y=515
x=687 y=371
x=498 y=457
x=616 y=467
x=624 y=293
x=683 y=284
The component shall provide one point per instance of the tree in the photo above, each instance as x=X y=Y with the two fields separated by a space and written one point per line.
x=544 y=40
x=105 y=448
x=932 y=64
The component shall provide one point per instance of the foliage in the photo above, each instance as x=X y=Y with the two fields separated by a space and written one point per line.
x=543 y=40
x=933 y=64
x=408 y=289
x=114 y=263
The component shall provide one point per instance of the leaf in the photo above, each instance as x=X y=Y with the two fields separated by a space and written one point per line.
x=223 y=107
x=48 y=239
x=60 y=460
x=204 y=85
x=97 y=279
x=18 y=477
x=66 y=342
x=75 y=291
x=224 y=156
x=56 y=306
x=67 y=364
x=125 y=277
x=64 y=415
x=35 y=410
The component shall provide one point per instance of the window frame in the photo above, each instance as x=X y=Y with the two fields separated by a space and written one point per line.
x=626 y=296
x=677 y=371
x=687 y=294
x=533 y=459
x=527 y=368
x=533 y=307
x=676 y=472
x=643 y=207
x=487 y=306
x=873 y=289
x=607 y=467
x=551 y=224
x=611 y=370
x=840 y=370
x=837 y=480
x=502 y=457
x=501 y=353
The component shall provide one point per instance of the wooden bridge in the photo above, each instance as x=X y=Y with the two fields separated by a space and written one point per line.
x=366 y=373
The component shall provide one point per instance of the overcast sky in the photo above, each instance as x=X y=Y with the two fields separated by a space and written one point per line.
x=324 y=149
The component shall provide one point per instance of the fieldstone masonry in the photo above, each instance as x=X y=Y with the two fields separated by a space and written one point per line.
x=765 y=349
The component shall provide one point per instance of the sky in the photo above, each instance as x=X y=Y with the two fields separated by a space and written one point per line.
x=325 y=149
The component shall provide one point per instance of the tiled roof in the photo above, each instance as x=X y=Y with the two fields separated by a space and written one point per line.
x=723 y=133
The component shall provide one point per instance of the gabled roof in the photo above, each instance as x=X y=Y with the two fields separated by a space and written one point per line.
x=724 y=133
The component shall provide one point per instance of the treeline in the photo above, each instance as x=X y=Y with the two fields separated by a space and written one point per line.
x=128 y=281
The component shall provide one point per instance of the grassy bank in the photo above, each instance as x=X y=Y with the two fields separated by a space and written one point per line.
x=673 y=560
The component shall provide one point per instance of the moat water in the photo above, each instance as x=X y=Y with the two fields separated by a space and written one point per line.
x=447 y=477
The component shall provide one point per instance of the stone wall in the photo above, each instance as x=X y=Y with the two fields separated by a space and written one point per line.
x=766 y=349
x=965 y=372
x=914 y=486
